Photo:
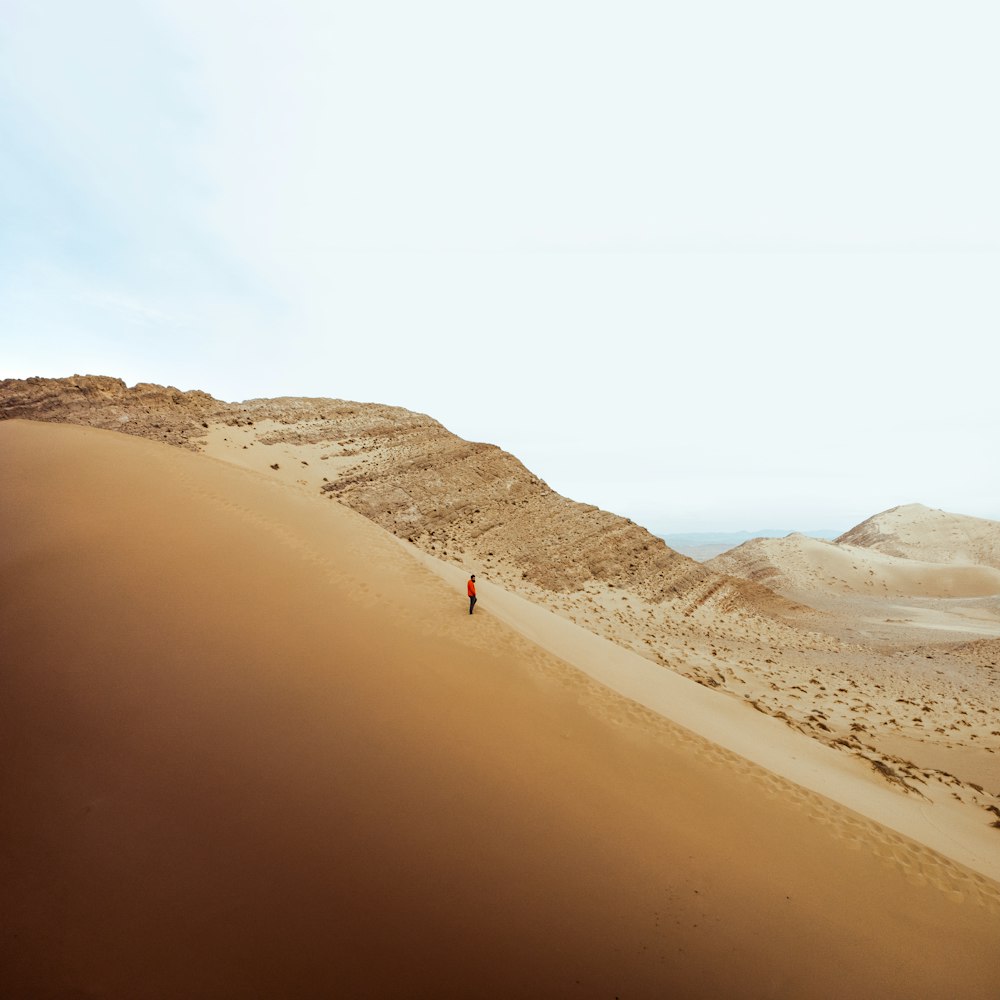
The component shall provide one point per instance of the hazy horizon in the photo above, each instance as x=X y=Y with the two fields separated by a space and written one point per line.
x=755 y=533
x=701 y=266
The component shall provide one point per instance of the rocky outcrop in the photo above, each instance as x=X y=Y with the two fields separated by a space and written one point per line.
x=445 y=494
x=150 y=411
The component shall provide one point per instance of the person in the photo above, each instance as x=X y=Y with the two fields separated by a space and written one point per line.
x=472 y=592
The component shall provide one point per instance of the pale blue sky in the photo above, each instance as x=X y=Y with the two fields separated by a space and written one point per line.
x=713 y=266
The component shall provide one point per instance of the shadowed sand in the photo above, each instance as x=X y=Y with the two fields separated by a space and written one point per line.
x=252 y=748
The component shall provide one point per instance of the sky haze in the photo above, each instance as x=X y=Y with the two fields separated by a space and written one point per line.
x=712 y=267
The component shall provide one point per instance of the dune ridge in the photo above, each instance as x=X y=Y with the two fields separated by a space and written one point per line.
x=252 y=746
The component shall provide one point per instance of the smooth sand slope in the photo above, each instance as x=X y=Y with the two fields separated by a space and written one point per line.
x=250 y=747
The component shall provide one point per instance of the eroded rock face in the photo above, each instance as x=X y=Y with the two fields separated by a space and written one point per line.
x=438 y=490
x=152 y=411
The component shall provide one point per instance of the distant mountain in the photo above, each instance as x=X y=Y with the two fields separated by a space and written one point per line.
x=705 y=545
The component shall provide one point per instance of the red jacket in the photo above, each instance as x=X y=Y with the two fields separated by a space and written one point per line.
x=472 y=589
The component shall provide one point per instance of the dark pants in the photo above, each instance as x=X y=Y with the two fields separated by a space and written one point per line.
x=472 y=603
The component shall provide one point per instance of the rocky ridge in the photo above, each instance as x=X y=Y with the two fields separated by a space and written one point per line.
x=420 y=481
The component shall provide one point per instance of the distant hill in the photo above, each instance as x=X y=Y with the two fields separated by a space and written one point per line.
x=913 y=531
x=909 y=550
x=705 y=545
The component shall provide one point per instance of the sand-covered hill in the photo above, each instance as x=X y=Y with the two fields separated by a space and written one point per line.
x=797 y=565
x=404 y=471
x=835 y=660
x=467 y=503
x=254 y=746
x=917 y=669
x=913 y=531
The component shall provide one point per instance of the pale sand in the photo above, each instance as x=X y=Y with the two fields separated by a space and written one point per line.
x=948 y=827
x=251 y=747
x=918 y=532
x=798 y=565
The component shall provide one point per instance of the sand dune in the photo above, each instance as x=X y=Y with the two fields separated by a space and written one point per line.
x=798 y=564
x=253 y=748
x=913 y=531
